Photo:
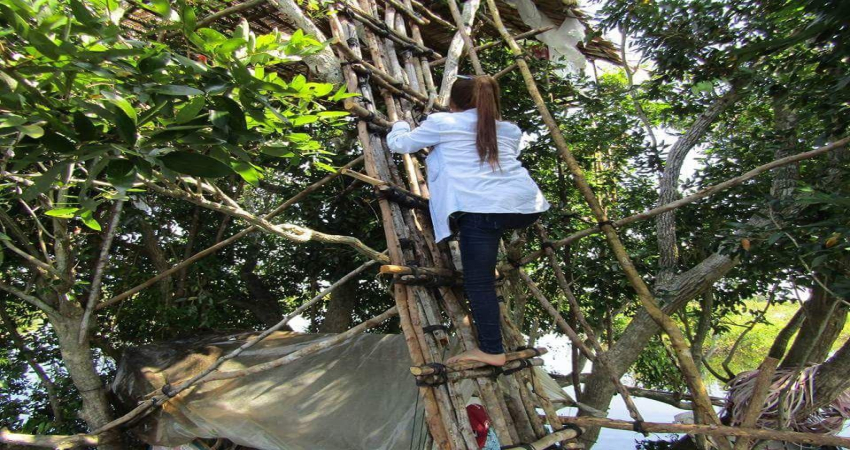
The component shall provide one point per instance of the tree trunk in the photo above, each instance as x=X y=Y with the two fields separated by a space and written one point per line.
x=677 y=290
x=262 y=303
x=340 y=308
x=79 y=362
x=811 y=346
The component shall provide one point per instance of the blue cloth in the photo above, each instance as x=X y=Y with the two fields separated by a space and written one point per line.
x=479 y=247
x=457 y=179
x=492 y=441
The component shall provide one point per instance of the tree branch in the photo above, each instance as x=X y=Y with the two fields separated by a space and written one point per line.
x=103 y=258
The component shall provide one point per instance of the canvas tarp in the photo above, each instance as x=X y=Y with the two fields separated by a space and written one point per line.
x=355 y=395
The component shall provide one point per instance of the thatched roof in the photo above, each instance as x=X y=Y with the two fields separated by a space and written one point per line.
x=264 y=16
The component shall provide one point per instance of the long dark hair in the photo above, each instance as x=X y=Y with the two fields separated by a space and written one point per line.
x=481 y=92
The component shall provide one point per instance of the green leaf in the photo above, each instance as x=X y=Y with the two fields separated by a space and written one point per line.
x=121 y=103
x=57 y=142
x=230 y=45
x=126 y=126
x=161 y=7
x=33 y=131
x=195 y=164
x=248 y=172
x=12 y=120
x=154 y=63
x=176 y=90
x=189 y=64
x=62 y=213
x=191 y=109
x=86 y=131
x=277 y=151
x=320 y=89
x=88 y=219
x=44 y=182
x=302 y=120
x=121 y=173
x=332 y=114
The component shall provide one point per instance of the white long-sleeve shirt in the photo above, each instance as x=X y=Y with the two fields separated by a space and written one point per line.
x=457 y=179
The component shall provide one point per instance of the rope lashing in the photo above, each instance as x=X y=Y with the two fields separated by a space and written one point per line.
x=438 y=378
x=602 y=223
x=353 y=42
x=516 y=264
x=536 y=351
x=169 y=390
x=571 y=426
x=523 y=364
x=431 y=329
x=544 y=244
x=637 y=426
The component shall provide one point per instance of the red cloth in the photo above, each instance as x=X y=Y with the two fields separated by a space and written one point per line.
x=480 y=422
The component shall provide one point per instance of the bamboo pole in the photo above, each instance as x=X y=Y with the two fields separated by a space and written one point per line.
x=699 y=195
x=489 y=45
x=702 y=405
x=549 y=440
x=380 y=28
x=756 y=401
x=49 y=441
x=472 y=365
x=432 y=15
x=411 y=14
x=433 y=415
x=713 y=430
x=305 y=351
x=601 y=356
x=470 y=46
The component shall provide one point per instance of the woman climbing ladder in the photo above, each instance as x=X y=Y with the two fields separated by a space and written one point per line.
x=479 y=188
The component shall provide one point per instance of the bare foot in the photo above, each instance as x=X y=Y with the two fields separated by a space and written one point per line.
x=477 y=355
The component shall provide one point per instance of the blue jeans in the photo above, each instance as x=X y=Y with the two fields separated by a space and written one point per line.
x=479 y=247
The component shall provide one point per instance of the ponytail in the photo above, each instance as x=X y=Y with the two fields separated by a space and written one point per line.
x=486 y=99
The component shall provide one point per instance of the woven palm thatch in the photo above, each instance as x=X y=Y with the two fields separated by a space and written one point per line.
x=800 y=386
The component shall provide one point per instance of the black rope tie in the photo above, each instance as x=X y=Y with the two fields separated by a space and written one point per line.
x=523 y=364
x=574 y=427
x=438 y=378
x=431 y=329
x=169 y=391
x=353 y=42
x=602 y=223
x=547 y=244
x=637 y=426
x=520 y=56
x=523 y=348
x=514 y=263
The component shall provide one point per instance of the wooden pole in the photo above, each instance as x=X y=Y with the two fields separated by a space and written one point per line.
x=699 y=195
x=756 y=401
x=702 y=405
x=713 y=430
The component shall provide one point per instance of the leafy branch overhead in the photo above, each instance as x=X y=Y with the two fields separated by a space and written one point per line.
x=76 y=93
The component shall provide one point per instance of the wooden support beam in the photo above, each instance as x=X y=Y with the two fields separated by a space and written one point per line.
x=470 y=46
x=469 y=365
x=713 y=430
x=390 y=269
x=549 y=440
x=527 y=34
x=381 y=29
x=411 y=14
x=490 y=371
x=432 y=15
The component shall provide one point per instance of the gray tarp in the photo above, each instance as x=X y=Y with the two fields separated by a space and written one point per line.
x=355 y=395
